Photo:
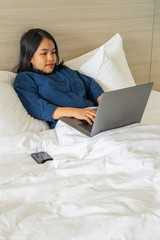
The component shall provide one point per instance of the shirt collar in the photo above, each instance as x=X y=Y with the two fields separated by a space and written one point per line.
x=39 y=71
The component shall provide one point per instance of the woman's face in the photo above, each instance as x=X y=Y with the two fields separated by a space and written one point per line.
x=44 y=57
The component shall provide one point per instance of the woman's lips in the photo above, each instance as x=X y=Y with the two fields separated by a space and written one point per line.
x=49 y=65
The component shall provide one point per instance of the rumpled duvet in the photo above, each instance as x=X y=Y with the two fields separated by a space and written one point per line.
x=102 y=188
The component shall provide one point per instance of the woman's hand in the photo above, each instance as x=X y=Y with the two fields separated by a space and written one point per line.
x=85 y=114
x=99 y=99
x=82 y=114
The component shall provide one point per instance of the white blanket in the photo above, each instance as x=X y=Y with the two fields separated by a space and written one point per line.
x=101 y=188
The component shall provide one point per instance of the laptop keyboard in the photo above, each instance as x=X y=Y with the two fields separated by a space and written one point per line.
x=86 y=125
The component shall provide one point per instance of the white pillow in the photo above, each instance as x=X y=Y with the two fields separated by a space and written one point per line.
x=111 y=59
x=14 y=119
x=104 y=71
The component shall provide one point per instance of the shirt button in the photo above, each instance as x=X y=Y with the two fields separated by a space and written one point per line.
x=67 y=87
x=74 y=96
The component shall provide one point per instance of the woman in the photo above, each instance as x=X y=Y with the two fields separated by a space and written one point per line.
x=48 y=89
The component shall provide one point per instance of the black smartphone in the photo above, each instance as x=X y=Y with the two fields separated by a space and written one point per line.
x=41 y=157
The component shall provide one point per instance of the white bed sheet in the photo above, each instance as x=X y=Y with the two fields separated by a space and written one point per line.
x=101 y=188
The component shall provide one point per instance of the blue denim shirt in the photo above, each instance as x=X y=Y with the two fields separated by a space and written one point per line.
x=42 y=93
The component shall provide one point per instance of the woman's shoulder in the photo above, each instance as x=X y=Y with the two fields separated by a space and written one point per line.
x=23 y=74
x=26 y=74
x=23 y=77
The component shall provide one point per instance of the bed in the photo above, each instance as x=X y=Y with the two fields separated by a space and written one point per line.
x=102 y=188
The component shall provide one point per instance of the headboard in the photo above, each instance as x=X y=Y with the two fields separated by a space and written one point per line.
x=82 y=25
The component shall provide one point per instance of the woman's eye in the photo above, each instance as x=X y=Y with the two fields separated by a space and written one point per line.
x=43 y=53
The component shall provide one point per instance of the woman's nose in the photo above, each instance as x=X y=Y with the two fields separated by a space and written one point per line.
x=50 y=57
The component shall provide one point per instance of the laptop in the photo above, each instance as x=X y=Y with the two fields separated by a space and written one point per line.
x=116 y=109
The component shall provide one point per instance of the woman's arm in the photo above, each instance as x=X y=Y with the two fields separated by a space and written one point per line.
x=94 y=90
x=36 y=106
x=83 y=114
x=98 y=99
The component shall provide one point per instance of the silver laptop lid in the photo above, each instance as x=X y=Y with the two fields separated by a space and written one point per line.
x=121 y=107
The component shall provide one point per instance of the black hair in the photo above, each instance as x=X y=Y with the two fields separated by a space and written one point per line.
x=29 y=43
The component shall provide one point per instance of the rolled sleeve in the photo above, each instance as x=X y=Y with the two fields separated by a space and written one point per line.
x=48 y=112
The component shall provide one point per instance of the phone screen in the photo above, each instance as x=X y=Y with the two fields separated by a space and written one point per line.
x=41 y=157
